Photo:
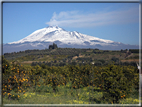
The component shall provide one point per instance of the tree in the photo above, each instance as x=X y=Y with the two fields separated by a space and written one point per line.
x=5 y=66
x=54 y=46
x=50 y=47
x=117 y=82
x=115 y=59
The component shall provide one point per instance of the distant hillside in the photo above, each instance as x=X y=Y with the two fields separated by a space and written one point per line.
x=64 y=56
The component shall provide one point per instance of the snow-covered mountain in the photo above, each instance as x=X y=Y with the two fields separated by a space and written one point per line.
x=51 y=34
x=42 y=38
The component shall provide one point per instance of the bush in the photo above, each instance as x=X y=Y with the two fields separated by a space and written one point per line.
x=116 y=83
x=115 y=59
x=44 y=88
x=5 y=66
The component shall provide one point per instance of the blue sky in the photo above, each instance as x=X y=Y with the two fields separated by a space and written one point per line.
x=118 y=22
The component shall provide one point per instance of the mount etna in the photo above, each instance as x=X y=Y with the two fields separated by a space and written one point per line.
x=42 y=38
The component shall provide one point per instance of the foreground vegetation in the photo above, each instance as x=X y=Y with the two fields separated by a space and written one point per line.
x=69 y=84
x=65 y=97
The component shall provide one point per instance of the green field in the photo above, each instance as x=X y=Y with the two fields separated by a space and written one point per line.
x=67 y=96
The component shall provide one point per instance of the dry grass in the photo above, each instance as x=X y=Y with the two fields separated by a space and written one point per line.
x=130 y=60
x=75 y=57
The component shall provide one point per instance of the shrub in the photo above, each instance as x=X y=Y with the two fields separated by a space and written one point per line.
x=44 y=88
x=116 y=83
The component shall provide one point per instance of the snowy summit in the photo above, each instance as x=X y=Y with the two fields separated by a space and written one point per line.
x=55 y=33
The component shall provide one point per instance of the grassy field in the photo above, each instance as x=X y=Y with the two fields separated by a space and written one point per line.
x=67 y=96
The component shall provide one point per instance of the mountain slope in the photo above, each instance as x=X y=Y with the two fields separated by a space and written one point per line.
x=51 y=34
x=42 y=38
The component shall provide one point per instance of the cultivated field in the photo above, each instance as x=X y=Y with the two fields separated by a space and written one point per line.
x=70 y=76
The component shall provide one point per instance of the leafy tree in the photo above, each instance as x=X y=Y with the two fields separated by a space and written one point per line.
x=102 y=61
x=116 y=83
x=5 y=65
x=134 y=50
x=115 y=59
x=54 y=46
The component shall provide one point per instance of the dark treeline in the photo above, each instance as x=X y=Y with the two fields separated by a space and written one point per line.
x=134 y=50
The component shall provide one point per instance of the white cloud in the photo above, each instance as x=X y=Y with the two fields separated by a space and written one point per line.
x=79 y=19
